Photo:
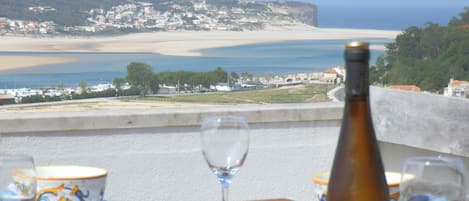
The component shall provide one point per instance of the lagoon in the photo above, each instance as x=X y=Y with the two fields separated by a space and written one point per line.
x=259 y=59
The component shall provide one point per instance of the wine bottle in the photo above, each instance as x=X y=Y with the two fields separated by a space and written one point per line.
x=357 y=172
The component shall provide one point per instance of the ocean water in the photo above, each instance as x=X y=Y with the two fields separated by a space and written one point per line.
x=391 y=17
x=259 y=59
x=385 y=17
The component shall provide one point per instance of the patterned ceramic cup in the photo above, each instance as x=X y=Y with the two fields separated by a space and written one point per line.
x=71 y=183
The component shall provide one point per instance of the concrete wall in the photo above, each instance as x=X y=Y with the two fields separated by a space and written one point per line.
x=155 y=154
x=420 y=120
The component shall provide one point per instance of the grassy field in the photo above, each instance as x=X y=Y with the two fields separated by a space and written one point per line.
x=294 y=94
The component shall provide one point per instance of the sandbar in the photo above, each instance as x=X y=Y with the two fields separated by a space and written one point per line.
x=17 y=62
x=180 y=43
x=183 y=43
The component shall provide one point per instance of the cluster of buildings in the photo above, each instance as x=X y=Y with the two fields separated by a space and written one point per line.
x=335 y=75
x=171 y=15
x=193 y=15
x=197 y=15
x=455 y=88
x=41 y=9
x=26 y=27
x=9 y=96
x=29 y=27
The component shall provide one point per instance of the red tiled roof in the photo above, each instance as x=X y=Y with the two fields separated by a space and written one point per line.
x=458 y=83
x=331 y=71
x=3 y=97
x=405 y=87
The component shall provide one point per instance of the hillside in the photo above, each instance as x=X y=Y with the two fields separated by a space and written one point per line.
x=70 y=13
x=427 y=57
x=151 y=15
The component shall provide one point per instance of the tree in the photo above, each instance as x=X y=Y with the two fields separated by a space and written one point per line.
x=154 y=83
x=234 y=77
x=140 y=76
x=246 y=76
x=218 y=75
x=427 y=57
x=118 y=82
x=464 y=16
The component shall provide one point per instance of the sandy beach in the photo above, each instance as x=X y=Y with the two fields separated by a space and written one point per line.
x=16 y=62
x=180 y=43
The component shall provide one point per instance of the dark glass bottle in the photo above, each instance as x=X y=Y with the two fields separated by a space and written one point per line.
x=357 y=173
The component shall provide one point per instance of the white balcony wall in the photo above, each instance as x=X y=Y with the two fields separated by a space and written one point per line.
x=155 y=155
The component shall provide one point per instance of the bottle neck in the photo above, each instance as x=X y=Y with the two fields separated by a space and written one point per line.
x=357 y=70
x=357 y=80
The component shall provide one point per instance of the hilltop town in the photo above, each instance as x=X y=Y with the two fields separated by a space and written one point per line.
x=139 y=16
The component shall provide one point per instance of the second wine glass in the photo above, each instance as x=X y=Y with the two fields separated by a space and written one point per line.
x=432 y=179
x=17 y=177
x=225 y=144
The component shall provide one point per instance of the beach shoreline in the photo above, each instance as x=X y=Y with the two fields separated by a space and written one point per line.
x=175 y=43
x=8 y=63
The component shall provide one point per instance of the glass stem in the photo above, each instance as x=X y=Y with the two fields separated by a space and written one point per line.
x=224 y=191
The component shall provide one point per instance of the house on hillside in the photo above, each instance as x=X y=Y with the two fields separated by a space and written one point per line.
x=457 y=88
x=329 y=75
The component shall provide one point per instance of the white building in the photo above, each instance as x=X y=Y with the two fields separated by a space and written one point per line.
x=222 y=86
x=329 y=75
x=340 y=70
x=200 y=5
x=167 y=90
x=457 y=88
x=101 y=87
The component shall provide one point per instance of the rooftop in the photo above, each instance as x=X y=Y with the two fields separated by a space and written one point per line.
x=457 y=83
x=405 y=87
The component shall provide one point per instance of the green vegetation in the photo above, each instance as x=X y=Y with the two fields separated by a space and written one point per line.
x=84 y=95
x=142 y=81
x=140 y=76
x=296 y=94
x=193 y=80
x=427 y=57
x=40 y=98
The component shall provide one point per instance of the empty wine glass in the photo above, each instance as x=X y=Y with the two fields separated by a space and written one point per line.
x=17 y=177
x=225 y=144
x=432 y=179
